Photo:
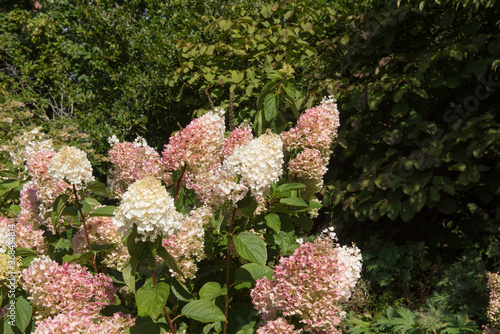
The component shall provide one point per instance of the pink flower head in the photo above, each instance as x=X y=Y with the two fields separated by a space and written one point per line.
x=199 y=145
x=188 y=245
x=278 y=326
x=310 y=285
x=308 y=165
x=240 y=136
x=134 y=161
x=25 y=235
x=316 y=128
x=54 y=288
x=76 y=323
x=102 y=231
x=38 y=163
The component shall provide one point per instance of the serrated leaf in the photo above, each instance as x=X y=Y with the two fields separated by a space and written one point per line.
x=285 y=240
x=8 y=174
x=212 y=290
x=129 y=274
x=23 y=313
x=275 y=75
x=180 y=291
x=59 y=205
x=92 y=202
x=203 y=311
x=251 y=272
x=251 y=247
x=270 y=107
x=97 y=187
x=290 y=186
x=273 y=222
x=104 y=211
x=150 y=300
x=289 y=89
x=293 y=201
x=23 y=252
x=170 y=260
x=69 y=211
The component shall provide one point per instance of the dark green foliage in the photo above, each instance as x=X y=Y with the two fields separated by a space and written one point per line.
x=415 y=180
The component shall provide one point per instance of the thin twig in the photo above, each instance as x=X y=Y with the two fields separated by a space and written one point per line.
x=178 y=183
x=170 y=322
x=228 y=265
x=85 y=227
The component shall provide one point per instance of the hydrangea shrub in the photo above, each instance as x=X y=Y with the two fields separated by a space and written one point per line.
x=204 y=237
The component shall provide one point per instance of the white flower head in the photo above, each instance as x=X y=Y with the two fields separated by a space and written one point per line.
x=113 y=140
x=259 y=163
x=71 y=165
x=147 y=204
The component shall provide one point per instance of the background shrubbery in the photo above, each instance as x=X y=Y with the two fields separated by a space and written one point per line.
x=415 y=179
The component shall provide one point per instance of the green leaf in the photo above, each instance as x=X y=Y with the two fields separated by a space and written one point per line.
x=273 y=222
x=92 y=202
x=150 y=300
x=8 y=174
x=303 y=222
x=251 y=272
x=129 y=274
x=59 y=205
x=69 y=211
x=180 y=291
x=203 y=310
x=289 y=89
x=407 y=212
x=220 y=217
x=251 y=247
x=293 y=201
x=19 y=321
x=267 y=11
x=270 y=106
x=146 y=328
x=394 y=209
x=97 y=187
x=23 y=252
x=290 y=186
x=210 y=50
x=399 y=110
x=286 y=241
x=212 y=290
x=170 y=260
x=209 y=77
x=275 y=75
x=104 y=211
x=417 y=201
x=268 y=88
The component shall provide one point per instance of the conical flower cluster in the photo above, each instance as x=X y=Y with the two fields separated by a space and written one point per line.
x=147 y=205
x=71 y=165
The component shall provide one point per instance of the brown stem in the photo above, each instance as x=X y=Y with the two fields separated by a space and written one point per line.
x=5 y=199
x=170 y=322
x=228 y=265
x=85 y=230
x=178 y=183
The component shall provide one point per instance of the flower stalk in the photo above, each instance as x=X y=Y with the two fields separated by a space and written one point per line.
x=85 y=229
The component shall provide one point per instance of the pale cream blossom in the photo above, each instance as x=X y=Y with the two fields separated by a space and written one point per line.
x=71 y=165
x=147 y=204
